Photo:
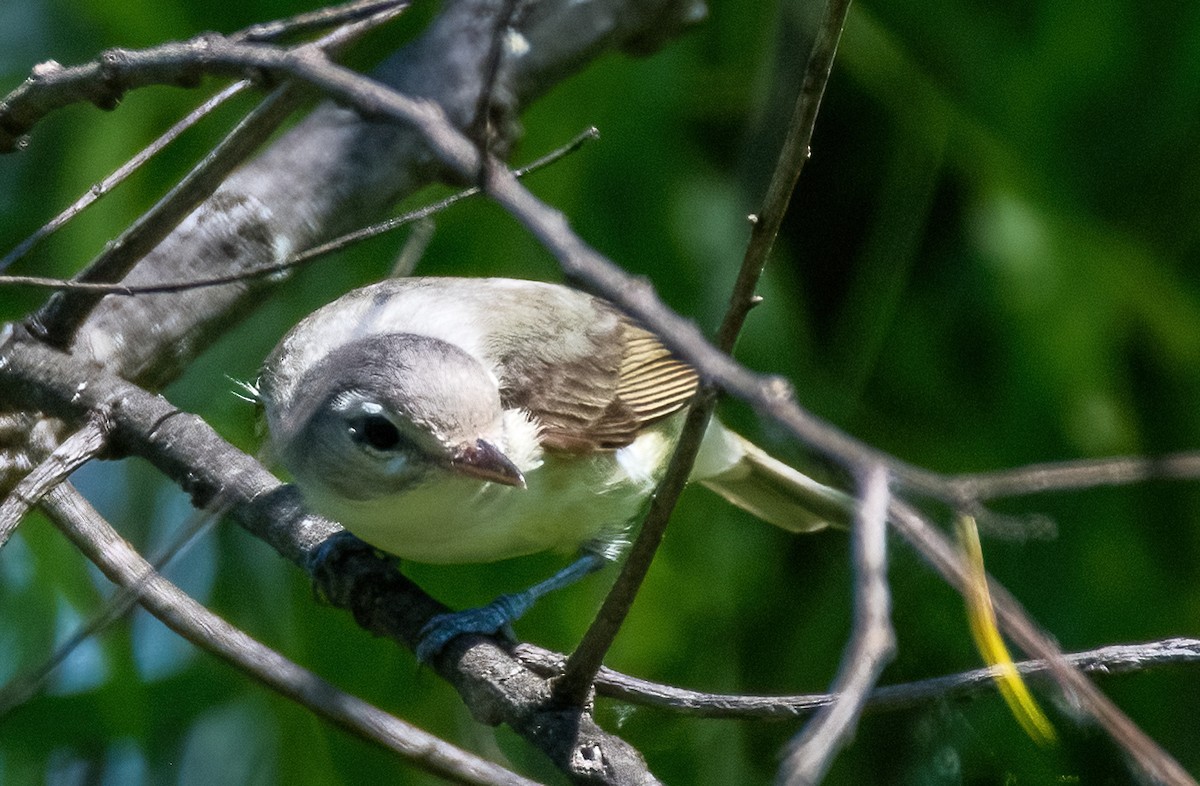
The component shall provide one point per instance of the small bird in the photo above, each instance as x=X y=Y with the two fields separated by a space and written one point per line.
x=456 y=420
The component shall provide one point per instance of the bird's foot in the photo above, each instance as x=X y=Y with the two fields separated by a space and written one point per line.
x=496 y=617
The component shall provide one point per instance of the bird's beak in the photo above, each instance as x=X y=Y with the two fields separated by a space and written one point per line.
x=484 y=460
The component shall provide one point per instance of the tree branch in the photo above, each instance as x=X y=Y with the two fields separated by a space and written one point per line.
x=96 y=538
x=57 y=321
x=295 y=260
x=1109 y=660
x=73 y=452
x=106 y=185
x=113 y=325
x=337 y=168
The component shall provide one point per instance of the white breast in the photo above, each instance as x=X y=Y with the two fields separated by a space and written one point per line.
x=569 y=501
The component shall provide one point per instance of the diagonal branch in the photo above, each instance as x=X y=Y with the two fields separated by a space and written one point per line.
x=929 y=541
x=96 y=538
x=337 y=169
x=107 y=184
x=576 y=681
x=300 y=259
x=58 y=320
x=770 y=396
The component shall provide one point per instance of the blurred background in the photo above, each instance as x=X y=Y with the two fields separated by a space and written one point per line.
x=989 y=262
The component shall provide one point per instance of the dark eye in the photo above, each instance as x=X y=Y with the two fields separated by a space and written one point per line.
x=375 y=431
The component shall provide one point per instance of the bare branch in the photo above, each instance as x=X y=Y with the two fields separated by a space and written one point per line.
x=337 y=169
x=57 y=322
x=573 y=687
x=770 y=396
x=871 y=646
x=489 y=104
x=125 y=170
x=103 y=82
x=576 y=681
x=295 y=260
x=61 y=316
x=765 y=225
x=1070 y=475
x=933 y=546
x=25 y=686
x=96 y=538
x=321 y=19
x=1110 y=660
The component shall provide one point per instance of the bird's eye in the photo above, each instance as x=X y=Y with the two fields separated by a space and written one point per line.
x=375 y=431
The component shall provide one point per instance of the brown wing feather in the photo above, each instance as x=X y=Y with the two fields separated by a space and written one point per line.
x=602 y=398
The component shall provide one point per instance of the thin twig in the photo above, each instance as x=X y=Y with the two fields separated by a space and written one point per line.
x=480 y=128
x=23 y=687
x=96 y=538
x=58 y=320
x=1104 y=661
x=1070 y=475
x=573 y=687
x=321 y=19
x=794 y=153
x=414 y=248
x=933 y=546
x=575 y=683
x=770 y=396
x=871 y=646
x=52 y=86
x=302 y=258
x=773 y=398
x=125 y=170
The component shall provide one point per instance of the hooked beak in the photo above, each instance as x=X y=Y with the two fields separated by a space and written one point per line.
x=484 y=460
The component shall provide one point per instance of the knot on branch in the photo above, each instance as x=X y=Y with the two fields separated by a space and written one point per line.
x=44 y=71
x=110 y=91
x=778 y=390
x=11 y=132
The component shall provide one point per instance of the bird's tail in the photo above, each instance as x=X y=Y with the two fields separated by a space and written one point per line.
x=746 y=476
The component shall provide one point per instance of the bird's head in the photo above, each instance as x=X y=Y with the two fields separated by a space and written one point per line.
x=387 y=412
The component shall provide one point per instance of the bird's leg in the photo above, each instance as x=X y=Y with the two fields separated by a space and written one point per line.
x=501 y=612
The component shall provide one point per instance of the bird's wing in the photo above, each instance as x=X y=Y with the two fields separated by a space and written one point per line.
x=608 y=383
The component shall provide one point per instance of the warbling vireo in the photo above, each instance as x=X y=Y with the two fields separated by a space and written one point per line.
x=452 y=420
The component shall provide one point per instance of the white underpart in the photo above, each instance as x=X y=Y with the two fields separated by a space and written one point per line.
x=569 y=500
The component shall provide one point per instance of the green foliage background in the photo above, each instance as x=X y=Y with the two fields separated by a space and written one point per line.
x=989 y=262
